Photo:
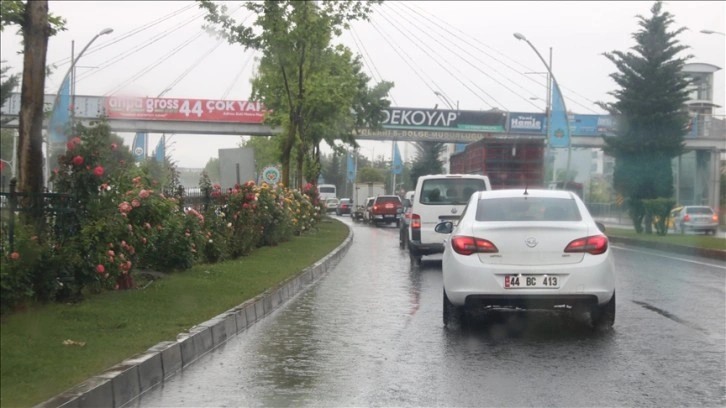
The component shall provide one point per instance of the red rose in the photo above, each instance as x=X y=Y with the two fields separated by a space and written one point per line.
x=78 y=160
x=98 y=171
x=100 y=269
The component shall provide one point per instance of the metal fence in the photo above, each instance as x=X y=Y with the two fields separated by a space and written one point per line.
x=609 y=212
x=53 y=215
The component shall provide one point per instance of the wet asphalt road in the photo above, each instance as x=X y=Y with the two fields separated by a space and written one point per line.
x=370 y=334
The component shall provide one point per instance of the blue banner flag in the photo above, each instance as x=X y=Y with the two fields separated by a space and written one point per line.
x=351 y=168
x=559 y=129
x=397 y=167
x=60 y=118
x=139 y=147
x=160 y=152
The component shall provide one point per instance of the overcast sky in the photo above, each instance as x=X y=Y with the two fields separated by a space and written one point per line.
x=465 y=50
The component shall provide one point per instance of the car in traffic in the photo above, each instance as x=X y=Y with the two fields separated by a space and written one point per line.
x=344 y=207
x=527 y=249
x=436 y=198
x=386 y=209
x=405 y=220
x=367 y=209
x=696 y=218
x=331 y=204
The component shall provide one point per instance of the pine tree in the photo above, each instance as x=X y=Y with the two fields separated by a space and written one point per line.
x=651 y=111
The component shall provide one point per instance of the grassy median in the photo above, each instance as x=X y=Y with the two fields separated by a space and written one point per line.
x=47 y=350
x=690 y=240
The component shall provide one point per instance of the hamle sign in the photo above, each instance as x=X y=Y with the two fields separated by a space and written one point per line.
x=184 y=109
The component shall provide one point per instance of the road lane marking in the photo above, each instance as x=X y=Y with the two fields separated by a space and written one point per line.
x=670 y=257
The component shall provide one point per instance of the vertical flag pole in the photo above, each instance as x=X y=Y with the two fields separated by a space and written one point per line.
x=393 y=171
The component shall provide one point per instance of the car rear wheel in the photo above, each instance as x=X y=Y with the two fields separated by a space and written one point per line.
x=603 y=317
x=454 y=316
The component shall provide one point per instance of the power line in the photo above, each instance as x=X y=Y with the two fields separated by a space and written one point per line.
x=360 y=45
x=436 y=60
x=237 y=77
x=155 y=64
x=128 y=34
x=433 y=21
x=152 y=40
x=415 y=71
x=194 y=65
x=468 y=61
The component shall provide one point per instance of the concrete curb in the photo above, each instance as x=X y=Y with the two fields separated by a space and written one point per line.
x=678 y=249
x=126 y=381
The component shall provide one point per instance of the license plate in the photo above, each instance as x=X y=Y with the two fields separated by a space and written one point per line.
x=531 y=281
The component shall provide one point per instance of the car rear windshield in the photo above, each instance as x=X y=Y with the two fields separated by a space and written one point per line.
x=699 y=210
x=449 y=190
x=392 y=199
x=527 y=209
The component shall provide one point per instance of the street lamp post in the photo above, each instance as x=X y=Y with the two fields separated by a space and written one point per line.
x=73 y=62
x=549 y=115
x=446 y=101
x=60 y=88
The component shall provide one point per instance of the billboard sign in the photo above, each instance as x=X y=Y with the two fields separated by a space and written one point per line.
x=183 y=109
x=523 y=122
x=441 y=119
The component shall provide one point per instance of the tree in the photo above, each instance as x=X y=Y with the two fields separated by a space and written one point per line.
x=36 y=25
x=212 y=170
x=267 y=151
x=650 y=107
x=427 y=160
x=371 y=175
x=308 y=86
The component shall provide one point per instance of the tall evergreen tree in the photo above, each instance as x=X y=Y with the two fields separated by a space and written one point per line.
x=651 y=111
x=427 y=160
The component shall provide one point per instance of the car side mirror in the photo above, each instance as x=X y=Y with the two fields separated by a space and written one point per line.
x=444 y=227
x=600 y=226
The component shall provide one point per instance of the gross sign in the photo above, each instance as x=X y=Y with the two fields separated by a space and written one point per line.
x=270 y=175
x=183 y=109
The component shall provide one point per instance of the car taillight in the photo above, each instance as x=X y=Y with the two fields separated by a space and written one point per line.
x=594 y=245
x=415 y=221
x=686 y=217
x=714 y=218
x=470 y=245
x=375 y=208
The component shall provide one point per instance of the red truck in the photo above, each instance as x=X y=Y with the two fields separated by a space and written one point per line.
x=508 y=163
x=386 y=209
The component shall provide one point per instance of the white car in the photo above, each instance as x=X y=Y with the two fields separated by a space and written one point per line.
x=527 y=249
x=331 y=204
x=438 y=197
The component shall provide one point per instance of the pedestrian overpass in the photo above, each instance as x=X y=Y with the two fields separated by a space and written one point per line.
x=405 y=124
x=244 y=118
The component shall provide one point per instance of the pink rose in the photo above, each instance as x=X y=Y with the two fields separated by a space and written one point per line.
x=78 y=160
x=15 y=256
x=98 y=171
x=100 y=269
x=114 y=146
x=144 y=194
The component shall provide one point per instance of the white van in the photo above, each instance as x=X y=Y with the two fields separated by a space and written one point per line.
x=440 y=197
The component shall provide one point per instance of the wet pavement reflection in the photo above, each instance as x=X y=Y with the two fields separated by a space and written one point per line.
x=370 y=334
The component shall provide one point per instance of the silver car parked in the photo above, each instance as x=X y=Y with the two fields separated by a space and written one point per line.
x=697 y=218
